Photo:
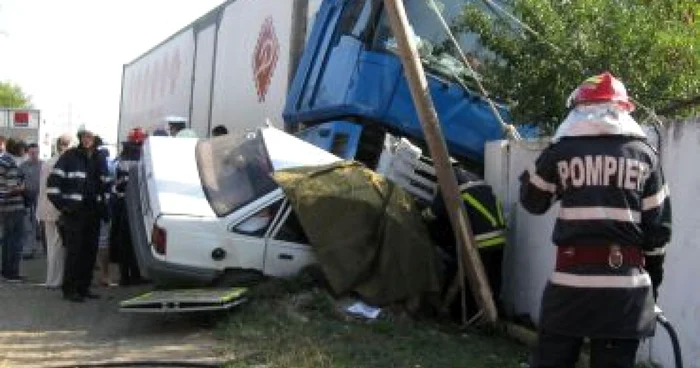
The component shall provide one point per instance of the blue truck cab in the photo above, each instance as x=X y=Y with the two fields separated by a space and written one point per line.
x=350 y=88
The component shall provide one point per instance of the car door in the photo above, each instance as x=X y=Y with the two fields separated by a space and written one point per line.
x=288 y=250
x=246 y=241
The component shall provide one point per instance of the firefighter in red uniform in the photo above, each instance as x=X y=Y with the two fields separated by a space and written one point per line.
x=612 y=228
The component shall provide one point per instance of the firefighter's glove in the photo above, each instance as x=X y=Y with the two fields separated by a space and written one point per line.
x=654 y=265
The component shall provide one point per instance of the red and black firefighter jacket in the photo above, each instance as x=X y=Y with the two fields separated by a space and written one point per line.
x=130 y=156
x=612 y=195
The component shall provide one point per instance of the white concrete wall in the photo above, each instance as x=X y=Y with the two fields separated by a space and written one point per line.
x=530 y=256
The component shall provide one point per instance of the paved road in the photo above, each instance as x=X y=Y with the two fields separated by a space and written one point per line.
x=39 y=329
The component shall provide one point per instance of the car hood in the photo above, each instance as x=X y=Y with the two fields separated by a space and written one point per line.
x=176 y=177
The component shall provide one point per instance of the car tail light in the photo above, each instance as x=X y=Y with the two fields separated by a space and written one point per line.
x=159 y=239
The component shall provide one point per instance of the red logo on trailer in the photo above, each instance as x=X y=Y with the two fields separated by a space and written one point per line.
x=265 y=58
x=157 y=79
x=21 y=119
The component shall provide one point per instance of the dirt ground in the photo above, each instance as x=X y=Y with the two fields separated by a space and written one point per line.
x=40 y=329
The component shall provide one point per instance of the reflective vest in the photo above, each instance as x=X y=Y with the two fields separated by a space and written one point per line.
x=485 y=213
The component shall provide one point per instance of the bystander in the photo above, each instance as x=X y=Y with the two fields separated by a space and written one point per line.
x=11 y=211
x=31 y=169
x=48 y=215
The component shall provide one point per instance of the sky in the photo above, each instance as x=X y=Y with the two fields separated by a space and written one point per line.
x=68 y=54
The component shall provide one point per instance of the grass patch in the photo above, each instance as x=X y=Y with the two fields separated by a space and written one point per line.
x=282 y=327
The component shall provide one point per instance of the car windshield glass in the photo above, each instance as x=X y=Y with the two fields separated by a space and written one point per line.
x=235 y=170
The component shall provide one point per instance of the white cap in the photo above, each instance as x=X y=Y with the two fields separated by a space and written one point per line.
x=175 y=119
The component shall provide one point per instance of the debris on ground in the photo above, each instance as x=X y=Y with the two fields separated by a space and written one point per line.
x=292 y=324
x=362 y=309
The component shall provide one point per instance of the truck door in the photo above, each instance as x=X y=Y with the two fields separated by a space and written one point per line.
x=288 y=249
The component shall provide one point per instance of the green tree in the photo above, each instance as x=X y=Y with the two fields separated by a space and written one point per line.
x=653 y=46
x=12 y=96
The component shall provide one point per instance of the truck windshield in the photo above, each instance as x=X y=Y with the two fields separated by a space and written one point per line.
x=234 y=170
x=434 y=46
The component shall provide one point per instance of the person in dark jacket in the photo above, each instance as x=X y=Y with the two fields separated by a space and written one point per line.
x=121 y=246
x=611 y=232
x=103 y=259
x=488 y=225
x=78 y=188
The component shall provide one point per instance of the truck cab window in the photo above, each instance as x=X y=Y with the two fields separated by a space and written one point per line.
x=435 y=49
x=356 y=20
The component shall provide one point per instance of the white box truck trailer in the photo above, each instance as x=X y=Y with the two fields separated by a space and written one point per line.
x=230 y=67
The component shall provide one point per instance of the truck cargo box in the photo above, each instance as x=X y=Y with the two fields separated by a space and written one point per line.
x=230 y=67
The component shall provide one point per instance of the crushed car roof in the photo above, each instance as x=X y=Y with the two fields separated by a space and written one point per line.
x=287 y=151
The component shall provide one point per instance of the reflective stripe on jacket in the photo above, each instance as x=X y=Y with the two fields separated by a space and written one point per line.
x=72 y=178
x=485 y=205
x=483 y=208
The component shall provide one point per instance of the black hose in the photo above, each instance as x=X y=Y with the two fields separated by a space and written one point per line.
x=674 y=339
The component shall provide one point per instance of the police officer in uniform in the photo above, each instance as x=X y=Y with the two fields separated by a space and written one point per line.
x=488 y=225
x=611 y=232
x=78 y=187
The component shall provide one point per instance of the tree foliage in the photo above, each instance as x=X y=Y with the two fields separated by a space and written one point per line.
x=12 y=96
x=653 y=46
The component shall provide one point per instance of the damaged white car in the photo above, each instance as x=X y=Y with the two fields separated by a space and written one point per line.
x=201 y=210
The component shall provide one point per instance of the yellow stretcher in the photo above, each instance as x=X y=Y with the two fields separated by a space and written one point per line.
x=185 y=300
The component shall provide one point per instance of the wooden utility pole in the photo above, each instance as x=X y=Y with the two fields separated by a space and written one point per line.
x=467 y=253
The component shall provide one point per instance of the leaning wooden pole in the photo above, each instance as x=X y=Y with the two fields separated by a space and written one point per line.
x=466 y=246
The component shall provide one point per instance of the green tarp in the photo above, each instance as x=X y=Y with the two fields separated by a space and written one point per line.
x=367 y=232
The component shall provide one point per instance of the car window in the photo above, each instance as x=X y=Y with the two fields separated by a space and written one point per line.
x=291 y=230
x=258 y=223
x=234 y=170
